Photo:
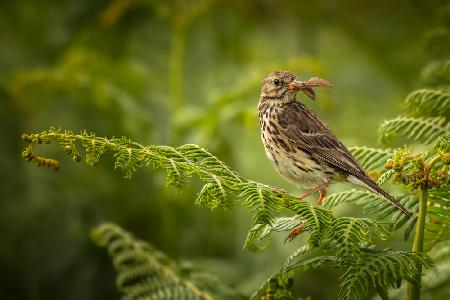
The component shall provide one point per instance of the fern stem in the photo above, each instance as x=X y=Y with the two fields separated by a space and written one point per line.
x=414 y=289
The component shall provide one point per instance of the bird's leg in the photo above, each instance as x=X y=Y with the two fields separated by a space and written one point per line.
x=322 y=195
x=277 y=190
x=307 y=194
x=321 y=189
x=297 y=230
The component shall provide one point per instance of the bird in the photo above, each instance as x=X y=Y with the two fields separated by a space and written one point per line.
x=302 y=148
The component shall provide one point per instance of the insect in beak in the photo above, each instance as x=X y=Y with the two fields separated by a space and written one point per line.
x=306 y=86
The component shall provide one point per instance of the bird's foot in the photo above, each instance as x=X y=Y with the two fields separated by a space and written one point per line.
x=277 y=190
x=306 y=195
x=321 y=189
x=322 y=195
x=297 y=230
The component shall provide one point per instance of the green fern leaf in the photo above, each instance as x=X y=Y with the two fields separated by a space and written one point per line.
x=292 y=263
x=374 y=204
x=435 y=280
x=221 y=184
x=275 y=288
x=317 y=220
x=146 y=273
x=351 y=233
x=381 y=268
x=371 y=158
x=438 y=227
x=349 y=196
x=423 y=130
x=385 y=177
x=279 y=285
x=427 y=103
x=311 y=263
x=142 y=271
x=294 y=255
x=261 y=200
x=278 y=225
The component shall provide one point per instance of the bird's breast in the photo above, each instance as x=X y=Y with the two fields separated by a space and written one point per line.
x=294 y=164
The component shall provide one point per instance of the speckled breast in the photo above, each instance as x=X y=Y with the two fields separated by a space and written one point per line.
x=292 y=163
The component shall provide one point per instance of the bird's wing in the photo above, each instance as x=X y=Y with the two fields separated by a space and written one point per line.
x=307 y=132
x=303 y=128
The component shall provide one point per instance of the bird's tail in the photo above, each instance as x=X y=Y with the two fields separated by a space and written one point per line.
x=371 y=185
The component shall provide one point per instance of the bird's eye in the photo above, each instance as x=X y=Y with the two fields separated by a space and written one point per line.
x=277 y=82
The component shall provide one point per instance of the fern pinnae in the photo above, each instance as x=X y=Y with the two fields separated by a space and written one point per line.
x=371 y=158
x=141 y=274
x=427 y=102
x=373 y=204
x=317 y=220
x=385 y=177
x=211 y=161
x=260 y=199
x=438 y=229
x=221 y=184
x=279 y=224
x=425 y=130
x=294 y=255
x=352 y=195
x=382 y=268
x=350 y=233
x=311 y=263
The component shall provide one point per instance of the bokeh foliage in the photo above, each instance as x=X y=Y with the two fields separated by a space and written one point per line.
x=174 y=72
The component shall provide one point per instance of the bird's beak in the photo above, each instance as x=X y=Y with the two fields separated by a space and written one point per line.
x=296 y=85
x=302 y=86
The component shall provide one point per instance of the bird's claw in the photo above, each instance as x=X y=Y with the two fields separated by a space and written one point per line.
x=323 y=195
x=277 y=190
x=297 y=230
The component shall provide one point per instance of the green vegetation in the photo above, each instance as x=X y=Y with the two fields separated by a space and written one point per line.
x=171 y=73
x=345 y=242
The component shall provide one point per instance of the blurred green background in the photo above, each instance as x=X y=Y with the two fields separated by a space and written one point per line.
x=175 y=72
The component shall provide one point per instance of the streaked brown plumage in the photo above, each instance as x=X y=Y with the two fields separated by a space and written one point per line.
x=302 y=147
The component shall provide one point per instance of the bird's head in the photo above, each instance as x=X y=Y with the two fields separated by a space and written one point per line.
x=283 y=85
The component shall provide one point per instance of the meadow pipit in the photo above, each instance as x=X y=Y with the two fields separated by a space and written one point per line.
x=301 y=147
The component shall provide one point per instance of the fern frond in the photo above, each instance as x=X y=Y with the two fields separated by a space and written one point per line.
x=179 y=162
x=422 y=130
x=385 y=177
x=294 y=255
x=143 y=272
x=317 y=220
x=371 y=158
x=276 y=288
x=279 y=285
x=222 y=186
x=427 y=103
x=260 y=199
x=435 y=280
x=374 y=204
x=351 y=233
x=381 y=268
x=311 y=263
x=278 y=225
x=349 y=196
x=292 y=263
x=438 y=227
